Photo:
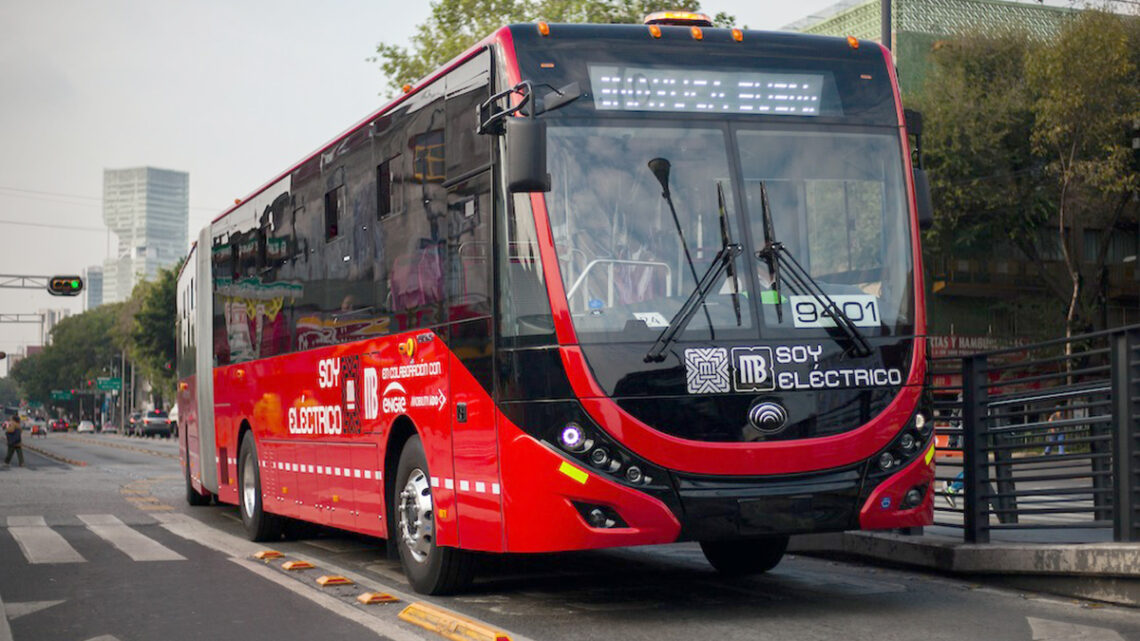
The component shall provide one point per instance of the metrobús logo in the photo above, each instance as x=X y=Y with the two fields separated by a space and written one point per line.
x=394 y=400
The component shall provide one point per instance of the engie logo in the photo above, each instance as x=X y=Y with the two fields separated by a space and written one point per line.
x=395 y=400
x=752 y=367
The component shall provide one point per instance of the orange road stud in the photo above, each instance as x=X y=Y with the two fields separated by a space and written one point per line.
x=267 y=555
x=372 y=598
x=296 y=565
x=332 y=579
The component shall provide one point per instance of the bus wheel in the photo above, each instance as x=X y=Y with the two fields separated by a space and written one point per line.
x=430 y=568
x=259 y=524
x=751 y=556
x=192 y=495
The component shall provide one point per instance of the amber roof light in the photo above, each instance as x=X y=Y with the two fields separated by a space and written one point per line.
x=679 y=18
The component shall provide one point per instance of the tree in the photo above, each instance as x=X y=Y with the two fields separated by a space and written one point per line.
x=455 y=25
x=1088 y=95
x=152 y=334
x=10 y=393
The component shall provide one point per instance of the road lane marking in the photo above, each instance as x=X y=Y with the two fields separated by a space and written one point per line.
x=17 y=610
x=1048 y=630
x=39 y=543
x=129 y=541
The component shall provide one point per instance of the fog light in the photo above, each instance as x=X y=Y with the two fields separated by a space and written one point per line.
x=913 y=497
x=920 y=421
x=633 y=474
x=598 y=518
x=886 y=460
x=599 y=457
x=907 y=441
x=573 y=438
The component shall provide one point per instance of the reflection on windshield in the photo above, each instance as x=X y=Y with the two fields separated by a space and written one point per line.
x=622 y=259
x=837 y=205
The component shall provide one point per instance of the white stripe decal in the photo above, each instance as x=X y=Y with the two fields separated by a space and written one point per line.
x=494 y=488
x=449 y=484
x=368 y=474
x=480 y=486
x=435 y=481
x=464 y=486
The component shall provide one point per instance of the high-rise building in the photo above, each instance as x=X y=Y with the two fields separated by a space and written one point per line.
x=51 y=318
x=148 y=210
x=93 y=286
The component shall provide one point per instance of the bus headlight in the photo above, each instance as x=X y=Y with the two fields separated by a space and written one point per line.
x=572 y=438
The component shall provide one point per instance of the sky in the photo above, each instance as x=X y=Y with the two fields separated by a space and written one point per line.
x=232 y=92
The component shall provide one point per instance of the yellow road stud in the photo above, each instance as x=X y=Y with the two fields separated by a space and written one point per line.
x=449 y=624
x=266 y=555
x=331 y=579
x=296 y=565
x=372 y=598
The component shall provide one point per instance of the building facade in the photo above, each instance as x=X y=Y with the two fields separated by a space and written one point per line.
x=148 y=210
x=93 y=287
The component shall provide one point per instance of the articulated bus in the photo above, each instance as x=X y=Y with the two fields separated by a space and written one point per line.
x=585 y=286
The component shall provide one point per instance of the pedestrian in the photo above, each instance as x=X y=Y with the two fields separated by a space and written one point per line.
x=1056 y=434
x=12 y=435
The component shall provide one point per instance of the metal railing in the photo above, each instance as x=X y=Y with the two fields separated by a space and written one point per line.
x=1041 y=437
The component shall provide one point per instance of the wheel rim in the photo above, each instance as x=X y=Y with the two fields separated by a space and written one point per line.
x=248 y=487
x=416 y=524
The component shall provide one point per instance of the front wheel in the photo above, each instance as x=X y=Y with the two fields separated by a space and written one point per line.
x=430 y=568
x=259 y=524
x=751 y=556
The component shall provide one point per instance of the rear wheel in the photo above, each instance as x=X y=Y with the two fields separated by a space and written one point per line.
x=739 y=558
x=430 y=568
x=259 y=524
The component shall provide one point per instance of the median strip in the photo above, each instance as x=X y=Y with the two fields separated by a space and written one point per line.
x=55 y=457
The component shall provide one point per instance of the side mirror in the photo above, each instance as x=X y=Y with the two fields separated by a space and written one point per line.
x=922 y=199
x=526 y=155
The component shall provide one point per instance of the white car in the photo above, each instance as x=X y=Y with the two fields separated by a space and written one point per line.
x=85 y=426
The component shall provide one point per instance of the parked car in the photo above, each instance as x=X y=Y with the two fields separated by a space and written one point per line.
x=172 y=418
x=85 y=426
x=155 y=423
x=59 y=425
x=134 y=424
x=110 y=428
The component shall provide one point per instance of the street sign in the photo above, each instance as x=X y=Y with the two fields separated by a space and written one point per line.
x=60 y=395
x=108 y=384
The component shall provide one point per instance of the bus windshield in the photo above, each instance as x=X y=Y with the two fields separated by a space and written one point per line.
x=836 y=199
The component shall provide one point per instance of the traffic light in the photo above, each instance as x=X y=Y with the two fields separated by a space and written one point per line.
x=65 y=285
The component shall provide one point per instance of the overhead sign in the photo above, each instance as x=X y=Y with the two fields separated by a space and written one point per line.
x=108 y=384
x=61 y=395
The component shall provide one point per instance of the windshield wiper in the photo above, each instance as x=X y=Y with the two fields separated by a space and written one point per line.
x=725 y=242
x=773 y=253
x=722 y=261
x=660 y=169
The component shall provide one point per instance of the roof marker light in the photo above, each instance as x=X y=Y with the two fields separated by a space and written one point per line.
x=406 y=88
x=697 y=34
x=853 y=42
x=682 y=18
x=738 y=35
x=544 y=28
x=655 y=31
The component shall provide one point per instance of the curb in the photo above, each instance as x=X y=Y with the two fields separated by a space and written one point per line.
x=55 y=457
x=1101 y=571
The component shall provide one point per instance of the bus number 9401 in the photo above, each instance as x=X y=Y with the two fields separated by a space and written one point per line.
x=863 y=310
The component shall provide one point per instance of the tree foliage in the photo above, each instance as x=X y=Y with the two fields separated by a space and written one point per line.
x=83 y=348
x=1025 y=139
x=455 y=25
x=152 y=333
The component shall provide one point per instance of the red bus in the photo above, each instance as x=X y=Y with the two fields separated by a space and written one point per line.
x=585 y=286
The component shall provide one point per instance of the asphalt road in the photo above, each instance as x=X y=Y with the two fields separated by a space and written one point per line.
x=109 y=550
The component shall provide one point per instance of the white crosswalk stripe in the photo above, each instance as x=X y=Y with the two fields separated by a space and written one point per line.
x=40 y=543
x=132 y=543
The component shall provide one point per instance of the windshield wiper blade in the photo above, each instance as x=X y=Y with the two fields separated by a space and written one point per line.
x=722 y=261
x=768 y=255
x=725 y=241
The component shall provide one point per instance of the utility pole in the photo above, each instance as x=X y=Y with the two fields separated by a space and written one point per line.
x=885 y=24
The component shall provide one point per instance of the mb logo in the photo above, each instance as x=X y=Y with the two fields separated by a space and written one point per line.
x=752 y=369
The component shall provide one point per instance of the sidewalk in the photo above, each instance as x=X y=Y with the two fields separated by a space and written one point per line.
x=1099 y=571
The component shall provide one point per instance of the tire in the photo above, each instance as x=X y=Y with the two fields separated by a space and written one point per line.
x=430 y=568
x=259 y=524
x=750 y=556
x=192 y=496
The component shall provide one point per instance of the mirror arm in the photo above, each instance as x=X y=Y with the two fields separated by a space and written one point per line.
x=494 y=123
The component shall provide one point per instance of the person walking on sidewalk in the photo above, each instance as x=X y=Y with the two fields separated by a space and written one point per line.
x=12 y=435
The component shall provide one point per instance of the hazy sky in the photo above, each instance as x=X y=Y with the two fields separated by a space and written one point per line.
x=233 y=92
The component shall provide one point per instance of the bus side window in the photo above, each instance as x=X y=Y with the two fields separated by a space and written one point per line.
x=386 y=201
x=334 y=205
